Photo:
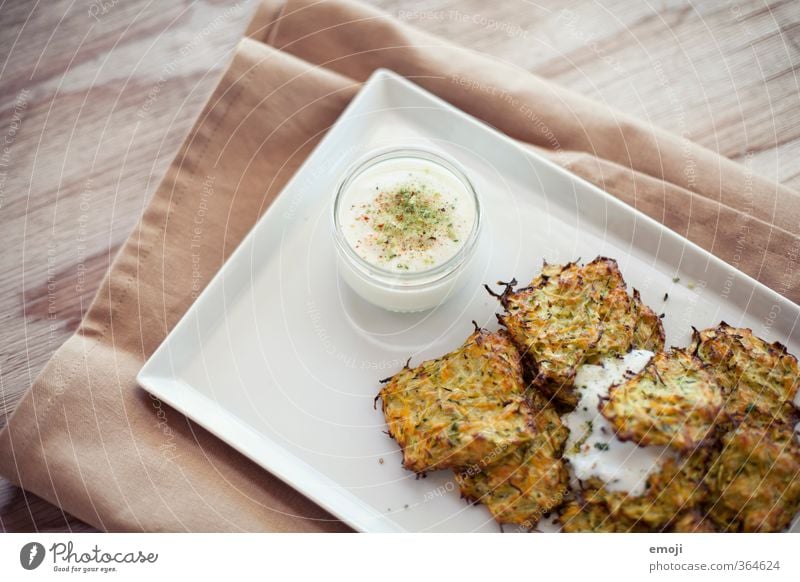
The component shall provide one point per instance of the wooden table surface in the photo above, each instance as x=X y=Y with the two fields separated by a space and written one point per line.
x=96 y=98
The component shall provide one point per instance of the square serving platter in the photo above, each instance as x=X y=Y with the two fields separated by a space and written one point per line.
x=282 y=361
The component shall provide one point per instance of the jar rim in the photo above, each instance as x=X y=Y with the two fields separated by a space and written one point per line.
x=392 y=278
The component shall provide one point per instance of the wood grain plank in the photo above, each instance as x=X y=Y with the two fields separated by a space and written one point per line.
x=97 y=108
x=722 y=73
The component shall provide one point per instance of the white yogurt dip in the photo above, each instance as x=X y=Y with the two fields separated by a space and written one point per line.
x=406 y=215
x=593 y=449
x=406 y=222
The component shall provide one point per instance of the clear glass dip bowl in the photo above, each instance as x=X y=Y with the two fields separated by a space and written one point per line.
x=416 y=289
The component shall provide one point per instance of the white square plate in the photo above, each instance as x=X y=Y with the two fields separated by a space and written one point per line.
x=282 y=361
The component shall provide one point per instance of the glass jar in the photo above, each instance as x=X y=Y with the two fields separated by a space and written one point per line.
x=406 y=223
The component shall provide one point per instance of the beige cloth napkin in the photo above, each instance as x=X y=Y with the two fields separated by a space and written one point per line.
x=86 y=438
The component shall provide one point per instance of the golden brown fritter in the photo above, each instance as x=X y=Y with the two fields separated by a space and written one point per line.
x=674 y=495
x=581 y=516
x=692 y=522
x=759 y=380
x=673 y=401
x=571 y=315
x=529 y=481
x=754 y=483
x=520 y=487
x=675 y=488
x=648 y=331
x=460 y=409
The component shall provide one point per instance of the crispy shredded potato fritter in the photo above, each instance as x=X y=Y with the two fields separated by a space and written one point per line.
x=754 y=483
x=675 y=488
x=571 y=315
x=721 y=412
x=530 y=481
x=759 y=380
x=461 y=409
x=693 y=521
x=674 y=401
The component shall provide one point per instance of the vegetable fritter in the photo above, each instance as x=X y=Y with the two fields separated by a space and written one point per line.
x=676 y=487
x=529 y=481
x=693 y=522
x=672 y=491
x=720 y=413
x=759 y=380
x=460 y=409
x=571 y=315
x=648 y=331
x=754 y=483
x=581 y=516
x=674 y=401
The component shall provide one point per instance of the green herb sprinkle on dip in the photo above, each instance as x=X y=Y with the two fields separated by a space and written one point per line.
x=408 y=221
